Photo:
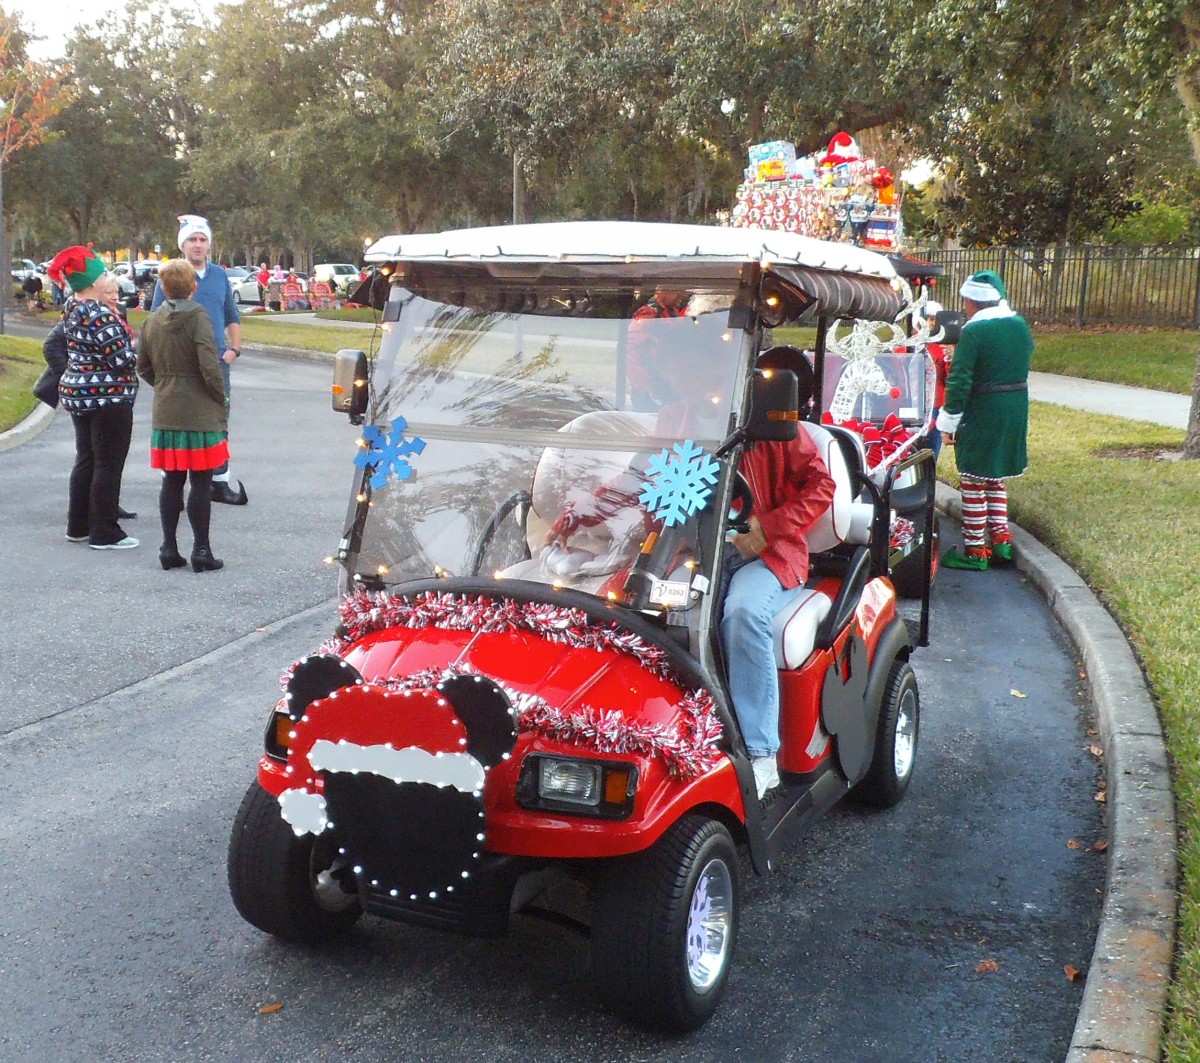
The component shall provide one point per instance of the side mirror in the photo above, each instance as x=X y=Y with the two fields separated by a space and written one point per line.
x=350 y=379
x=774 y=402
x=952 y=322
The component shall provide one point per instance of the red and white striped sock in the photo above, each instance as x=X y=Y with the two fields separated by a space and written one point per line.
x=997 y=511
x=974 y=511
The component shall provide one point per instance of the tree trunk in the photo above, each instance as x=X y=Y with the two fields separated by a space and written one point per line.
x=1191 y=442
x=1187 y=86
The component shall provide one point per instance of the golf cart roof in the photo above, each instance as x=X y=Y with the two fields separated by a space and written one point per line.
x=628 y=241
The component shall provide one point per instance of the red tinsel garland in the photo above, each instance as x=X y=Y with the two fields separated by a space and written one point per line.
x=687 y=752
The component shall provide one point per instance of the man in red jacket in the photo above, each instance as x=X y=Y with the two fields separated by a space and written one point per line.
x=790 y=487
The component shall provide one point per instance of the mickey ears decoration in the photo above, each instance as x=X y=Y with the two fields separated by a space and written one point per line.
x=486 y=713
x=317 y=677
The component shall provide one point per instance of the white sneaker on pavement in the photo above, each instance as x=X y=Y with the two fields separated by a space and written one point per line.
x=128 y=543
x=766 y=774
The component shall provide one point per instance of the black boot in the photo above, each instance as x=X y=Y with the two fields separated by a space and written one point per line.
x=124 y=514
x=222 y=492
x=170 y=557
x=203 y=560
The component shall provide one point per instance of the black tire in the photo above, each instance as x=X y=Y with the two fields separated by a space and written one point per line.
x=907 y=576
x=643 y=965
x=281 y=883
x=891 y=769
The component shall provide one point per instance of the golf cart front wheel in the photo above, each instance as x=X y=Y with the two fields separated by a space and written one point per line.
x=665 y=925
x=891 y=768
x=292 y=887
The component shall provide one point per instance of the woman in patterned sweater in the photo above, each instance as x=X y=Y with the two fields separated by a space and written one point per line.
x=98 y=390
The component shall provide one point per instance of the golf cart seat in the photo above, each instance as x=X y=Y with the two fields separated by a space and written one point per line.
x=795 y=626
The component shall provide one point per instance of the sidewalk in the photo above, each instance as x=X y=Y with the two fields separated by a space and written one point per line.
x=1095 y=396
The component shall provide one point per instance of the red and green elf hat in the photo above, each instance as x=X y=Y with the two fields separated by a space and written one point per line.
x=77 y=266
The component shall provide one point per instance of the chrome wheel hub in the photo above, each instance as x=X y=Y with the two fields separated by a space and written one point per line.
x=710 y=925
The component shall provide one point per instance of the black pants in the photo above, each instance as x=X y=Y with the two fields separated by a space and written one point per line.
x=101 y=446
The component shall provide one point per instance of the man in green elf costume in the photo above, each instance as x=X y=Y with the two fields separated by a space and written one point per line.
x=986 y=418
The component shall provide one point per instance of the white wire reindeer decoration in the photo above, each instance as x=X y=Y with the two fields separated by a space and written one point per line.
x=865 y=342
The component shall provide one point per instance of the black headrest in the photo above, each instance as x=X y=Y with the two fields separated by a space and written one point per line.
x=785 y=356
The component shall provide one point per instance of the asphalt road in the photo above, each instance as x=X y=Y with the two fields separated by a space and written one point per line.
x=118 y=940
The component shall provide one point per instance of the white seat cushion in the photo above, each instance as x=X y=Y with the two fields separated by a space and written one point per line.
x=833 y=526
x=795 y=627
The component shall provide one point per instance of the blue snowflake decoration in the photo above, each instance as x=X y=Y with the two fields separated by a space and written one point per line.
x=388 y=454
x=680 y=484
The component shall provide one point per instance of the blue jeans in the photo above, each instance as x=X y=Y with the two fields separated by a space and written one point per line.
x=755 y=595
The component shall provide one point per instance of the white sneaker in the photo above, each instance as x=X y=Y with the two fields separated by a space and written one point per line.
x=128 y=543
x=766 y=774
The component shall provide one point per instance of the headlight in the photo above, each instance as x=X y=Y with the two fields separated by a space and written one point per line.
x=279 y=733
x=600 y=788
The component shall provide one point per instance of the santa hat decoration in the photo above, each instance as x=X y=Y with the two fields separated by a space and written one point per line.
x=842 y=148
x=76 y=266
x=984 y=287
x=190 y=225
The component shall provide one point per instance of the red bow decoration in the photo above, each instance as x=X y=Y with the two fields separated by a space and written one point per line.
x=69 y=260
x=883 y=178
x=881 y=441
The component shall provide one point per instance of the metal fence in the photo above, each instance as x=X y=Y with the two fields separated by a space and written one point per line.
x=1091 y=285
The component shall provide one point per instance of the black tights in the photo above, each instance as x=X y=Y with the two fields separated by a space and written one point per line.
x=199 y=507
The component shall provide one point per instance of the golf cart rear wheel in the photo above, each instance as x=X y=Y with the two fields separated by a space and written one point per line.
x=896 y=740
x=285 y=885
x=664 y=927
x=906 y=576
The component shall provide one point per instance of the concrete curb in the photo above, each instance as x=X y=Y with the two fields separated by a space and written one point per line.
x=1124 y=1000
x=28 y=428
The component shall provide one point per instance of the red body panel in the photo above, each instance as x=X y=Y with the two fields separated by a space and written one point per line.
x=569 y=679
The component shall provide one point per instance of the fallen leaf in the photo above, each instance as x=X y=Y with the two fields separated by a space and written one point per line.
x=1073 y=973
x=1017 y=694
x=1096 y=751
x=1073 y=844
x=1092 y=731
x=987 y=967
x=1102 y=796
x=1100 y=846
x=1083 y=675
x=270 y=1009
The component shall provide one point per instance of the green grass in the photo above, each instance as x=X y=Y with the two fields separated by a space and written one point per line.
x=21 y=363
x=1111 y=519
x=350 y=313
x=1161 y=359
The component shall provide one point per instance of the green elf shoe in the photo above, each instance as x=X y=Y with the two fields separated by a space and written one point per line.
x=1002 y=553
x=972 y=559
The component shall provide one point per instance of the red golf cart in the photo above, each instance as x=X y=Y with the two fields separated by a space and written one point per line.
x=500 y=706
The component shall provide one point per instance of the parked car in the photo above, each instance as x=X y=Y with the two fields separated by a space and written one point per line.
x=130 y=297
x=142 y=272
x=23 y=269
x=236 y=275
x=340 y=276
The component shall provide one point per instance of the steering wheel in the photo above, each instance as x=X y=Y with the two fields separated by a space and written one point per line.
x=517 y=503
x=740 y=506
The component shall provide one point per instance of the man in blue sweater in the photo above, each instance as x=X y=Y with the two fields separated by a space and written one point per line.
x=216 y=296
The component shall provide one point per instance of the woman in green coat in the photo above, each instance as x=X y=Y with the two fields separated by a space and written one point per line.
x=986 y=418
x=189 y=437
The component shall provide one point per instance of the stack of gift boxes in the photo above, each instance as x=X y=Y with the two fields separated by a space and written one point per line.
x=832 y=195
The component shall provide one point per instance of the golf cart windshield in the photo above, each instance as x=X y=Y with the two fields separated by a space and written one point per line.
x=517 y=430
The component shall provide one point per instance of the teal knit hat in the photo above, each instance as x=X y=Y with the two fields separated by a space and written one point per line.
x=77 y=266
